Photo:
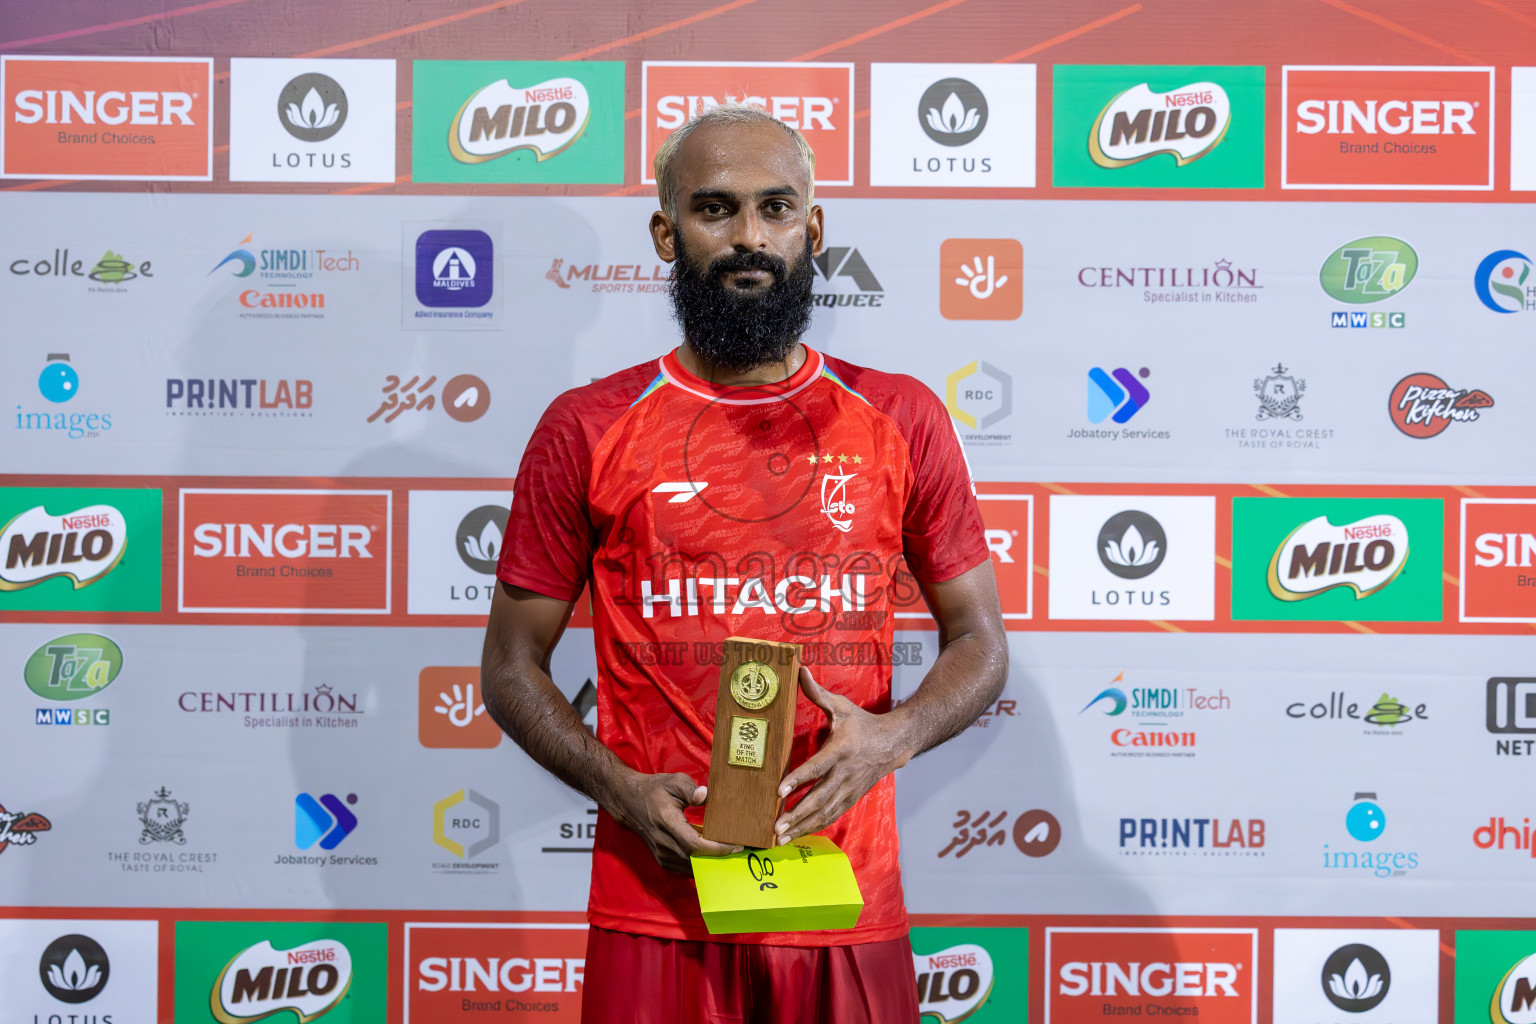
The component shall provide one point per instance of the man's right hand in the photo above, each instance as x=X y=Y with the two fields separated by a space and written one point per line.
x=652 y=806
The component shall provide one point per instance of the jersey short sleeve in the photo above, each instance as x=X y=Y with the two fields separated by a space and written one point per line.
x=941 y=527
x=547 y=544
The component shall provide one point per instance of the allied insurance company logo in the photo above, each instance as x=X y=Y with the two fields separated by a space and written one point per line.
x=1209 y=973
x=1501 y=282
x=1422 y=405
x=1365 y=271
x=1498 y=560
x=455 y=268
x=1382 y=127
x=59 y=384
x=106 y=117
x=815 y=98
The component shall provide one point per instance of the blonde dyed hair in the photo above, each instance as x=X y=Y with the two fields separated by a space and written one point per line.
x=731 y=113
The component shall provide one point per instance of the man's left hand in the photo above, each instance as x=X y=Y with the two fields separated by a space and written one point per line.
x=863 y=748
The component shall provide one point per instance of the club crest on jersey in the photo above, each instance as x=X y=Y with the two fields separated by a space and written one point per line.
x=834 y=499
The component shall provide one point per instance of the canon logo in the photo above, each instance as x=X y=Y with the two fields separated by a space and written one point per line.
x=807 y=113
x=1107 y=978
x=290 y=540
x=65 y=106
x=1394 y=117
x=493 y=974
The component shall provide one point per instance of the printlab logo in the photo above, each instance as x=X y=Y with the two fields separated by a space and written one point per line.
x=1279 y=395
x=234 y=396
x=479 y=536
x=20 y=828
x=1500 y=282
x=1356 y=978
x=1365 y=271
x=465 y=397
x=981 y=279
x=74 y=968
x=1117 y=395
x=1132 y=544
x=326 y=821
x=466 y=824
x=1422 y=405
x=843 y=278
x=162 y=817
x=58 y=384
x=312 y=107
x=449 y=712
x=979 y=395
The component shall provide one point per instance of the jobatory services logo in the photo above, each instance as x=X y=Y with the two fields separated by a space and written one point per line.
x=1498 y=560
x=978 y=975
x=79 y=549
x=1126 y=126
x=253 y=397
x=58 y=384
x=450 y=277
x=535 y=122
x=1209 y=973
x=979 y=396
x=1117 y=395
x=530 y=970
x=299 y=120
x=325 y=820
x=1371 y=974
x=1132 y=557
x=1365 y=823
x=1337 y=559
x=450 y=713
x=63 y=971
x=981 y=279
x=1365 y=271
x=1502 y=282
x=1495 y=976
x=21 y=828
x=239 y=972
x=250 y=550
x=71 y=668
x=815 y=98
x=1512 y=713
x=128 y=118
x=1386 y=127
x=455 y=541
x=952 y=125
x=1422 y=405
x=466 y=824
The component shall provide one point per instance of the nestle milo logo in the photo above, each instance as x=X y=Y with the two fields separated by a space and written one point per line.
x=1185 y=123
x=1369 y=269
x=73 y=666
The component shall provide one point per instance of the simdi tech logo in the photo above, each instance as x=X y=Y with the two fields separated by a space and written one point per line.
x=79 y=549
x=538 y=122
x=1209 y=973
x=978 y=975
x=952 y=125
x=126 y=118
x=485 y=972
x=1130 y=126
x=1337 y=559
x=1498 y=560
x=294 y=551
x=815 y=98
x=1495 y=977
x=1387 y=127
x=311 y=120
x=236 y=972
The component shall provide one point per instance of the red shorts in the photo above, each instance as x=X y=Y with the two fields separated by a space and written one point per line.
x=639 y=979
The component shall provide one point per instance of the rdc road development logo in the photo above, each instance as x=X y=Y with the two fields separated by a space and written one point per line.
x=1498 y=560
x=466 y=824
x=1370 y=974
x=952 y=125
x=981 y=279
x=1422 y=405
x=515 y=972
x=1182 y=127
x=979 y=396
x=1151 y=972
x=1501 y=282
x=243 y=972
x=1132 y=557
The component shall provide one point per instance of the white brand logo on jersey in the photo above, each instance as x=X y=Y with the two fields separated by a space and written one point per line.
x=681 y=490
x=834 y=499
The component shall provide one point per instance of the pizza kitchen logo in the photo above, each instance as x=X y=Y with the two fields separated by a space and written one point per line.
x=1422 y=405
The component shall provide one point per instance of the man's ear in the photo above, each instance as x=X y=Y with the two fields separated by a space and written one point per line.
x=813 y=229
x=663 y=236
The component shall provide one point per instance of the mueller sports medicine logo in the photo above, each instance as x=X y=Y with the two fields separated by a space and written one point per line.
x=260 y=981
x=106 y=117
x=83 y=545
x=1209 y=974
x=1317 y=556
x=284 y=551
x=1498 y=560
x=1387 y=128
x=500 y=118
x=815 y=98
x=1422 y=405
x=1185 y=123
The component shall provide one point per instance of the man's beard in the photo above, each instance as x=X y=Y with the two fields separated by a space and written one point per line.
x=737 y=329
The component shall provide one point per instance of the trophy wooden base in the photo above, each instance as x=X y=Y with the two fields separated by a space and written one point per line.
x=754 y=725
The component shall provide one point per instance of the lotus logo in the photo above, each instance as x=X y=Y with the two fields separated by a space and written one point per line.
x=544 y=119
x=1132 y=544
x=312 y=107
x=74 y=968
x=1185 y=123
x=1356 y=978
x=952 y=112
x=261 y=981
x=82 y=546
x=478 y=538
x=1318 y=556
x=1514 y=1001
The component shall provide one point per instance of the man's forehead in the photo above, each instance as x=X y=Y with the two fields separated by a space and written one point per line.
x=739 y=158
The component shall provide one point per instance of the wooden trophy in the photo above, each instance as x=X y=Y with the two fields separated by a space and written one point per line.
x=754 y=725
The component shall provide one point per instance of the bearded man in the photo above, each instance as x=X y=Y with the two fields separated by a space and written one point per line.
x=746 y=485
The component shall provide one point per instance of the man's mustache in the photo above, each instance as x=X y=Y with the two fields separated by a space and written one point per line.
x=749 y=261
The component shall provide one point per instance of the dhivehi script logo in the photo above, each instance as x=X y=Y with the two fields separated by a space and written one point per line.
x=261 y=981
x=1139 y=123
x=1318 y=556
x=499 y=119
x=83 y=545
x=953 y=983
x=1514 y=1001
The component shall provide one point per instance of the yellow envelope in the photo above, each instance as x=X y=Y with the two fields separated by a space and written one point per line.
x=804 y=886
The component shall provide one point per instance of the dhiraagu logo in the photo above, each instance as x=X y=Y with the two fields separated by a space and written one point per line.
x=971 y=974
x=1150 y=126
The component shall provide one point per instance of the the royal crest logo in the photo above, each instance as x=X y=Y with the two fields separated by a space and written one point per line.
x=162 y=818
x=501 y=118
x=262 y=981
x=1422 y=405
x=834 y=500
x=1318 y=556
x=18 y=828
x=1279 y=395
x=83 y=545
x=1186 y=123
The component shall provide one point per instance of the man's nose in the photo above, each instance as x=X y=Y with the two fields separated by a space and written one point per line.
x=748 y=233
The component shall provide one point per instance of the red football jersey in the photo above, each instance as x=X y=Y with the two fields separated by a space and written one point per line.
x=796 y=511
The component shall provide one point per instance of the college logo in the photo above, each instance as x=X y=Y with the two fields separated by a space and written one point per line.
x=1500 y=282
x=74 y=968
x=284 y=551
x=107 y=275
x=510 y=970
x=81 y=546
x=1386 y=713
x=1371 y=974
x=1386 y=127
x=58 y=384
x=1206 y=972
x=981 y=279
x=466 y=824
x=1135 y=126
x=1279 y=395
x=815 y=98
x=311 y=120
x=1344 y=559
x=132 y=118
x=952 y=125
x=449 y=711
x=1422 y=405
x=1498 y=560
x=73 y=667
x=19 y=828
x=1117 y=395
x=524 y=121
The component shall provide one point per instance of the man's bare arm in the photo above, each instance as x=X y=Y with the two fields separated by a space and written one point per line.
x=863 y=747
x=520 y=696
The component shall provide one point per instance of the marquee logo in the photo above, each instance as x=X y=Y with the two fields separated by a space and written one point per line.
x=1185 y=123
x=82 y=546
x=1207 y=973
x=1318 y=556
x=106 y=117
x=1498 y=560
x=261 y=981
x=544 y=119
x=1387 y=127
x=1422 y=405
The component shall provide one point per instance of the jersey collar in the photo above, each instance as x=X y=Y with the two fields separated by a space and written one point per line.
x=757 y=394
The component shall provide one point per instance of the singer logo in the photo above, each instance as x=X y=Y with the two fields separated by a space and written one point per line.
x=1008 y=521
x=815 y=98
x=106 y=117
x=285 y=551
x=83 y=545
x=1387 y=128
x=1498 y=560
x=262 y=981
x=1160 y=972
x=494 y=972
